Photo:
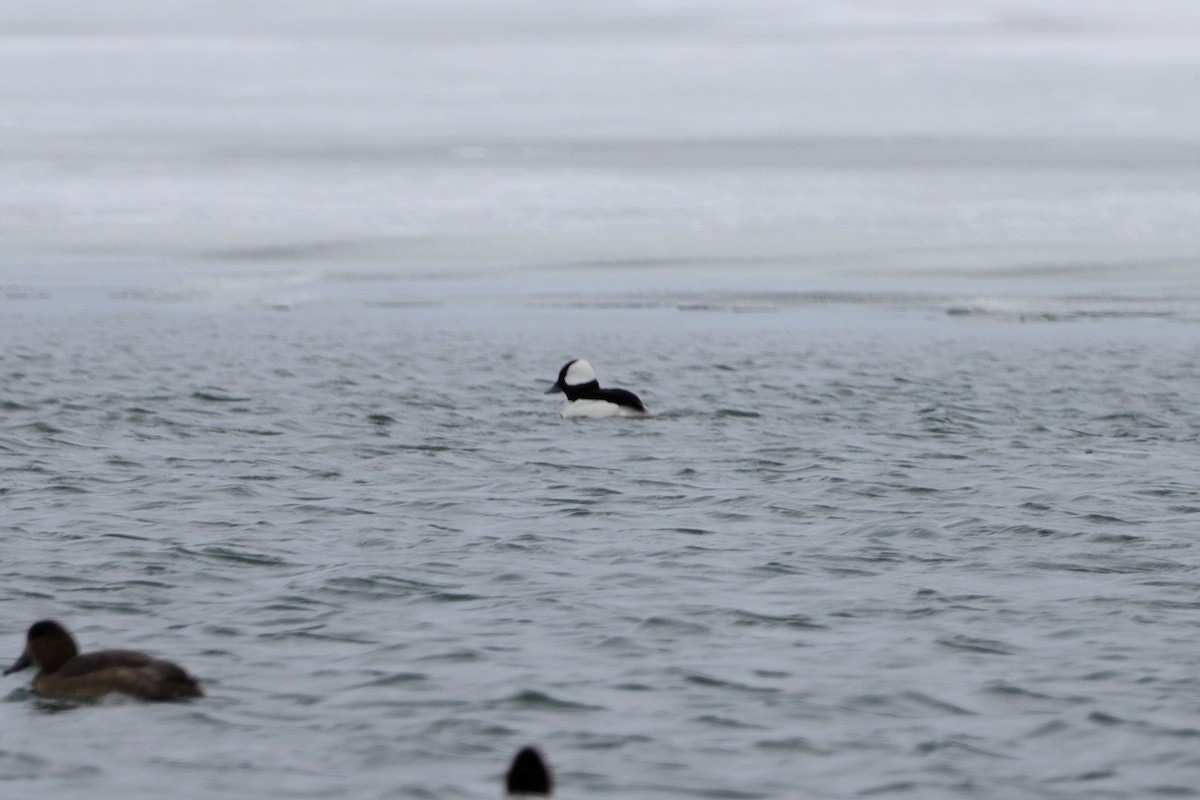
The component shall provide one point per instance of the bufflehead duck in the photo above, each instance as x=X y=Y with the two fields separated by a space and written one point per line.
x=585 y=398
x=63 y=672
x=528 y=776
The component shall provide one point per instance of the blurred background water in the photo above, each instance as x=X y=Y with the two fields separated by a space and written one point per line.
x=911 y=289
x=482 y=131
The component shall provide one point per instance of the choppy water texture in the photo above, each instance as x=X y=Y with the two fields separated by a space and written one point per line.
x=911 y=289
x=857 y=551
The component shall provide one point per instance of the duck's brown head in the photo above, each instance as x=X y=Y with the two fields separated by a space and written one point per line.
x=47 y=646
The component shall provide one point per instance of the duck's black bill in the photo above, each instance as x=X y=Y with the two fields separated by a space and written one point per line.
x=18 y=665
x=555 y=388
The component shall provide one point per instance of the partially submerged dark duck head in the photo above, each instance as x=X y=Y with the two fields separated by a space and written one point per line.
x=528 y=776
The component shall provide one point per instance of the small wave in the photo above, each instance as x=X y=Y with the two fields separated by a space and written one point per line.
x=737 y=412
x=541 y=701
x=381 y=587
x=974 y=645
x=791 y=744
x=725 y=722
x=218 y=396
x=701 y=679
x=392 y=679
x=235 y=555
x=906 y=704
x=796 y=621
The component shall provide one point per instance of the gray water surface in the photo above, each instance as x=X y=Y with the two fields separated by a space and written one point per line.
x=857 y=551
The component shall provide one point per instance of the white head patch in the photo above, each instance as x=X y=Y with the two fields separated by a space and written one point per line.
x=579 y=373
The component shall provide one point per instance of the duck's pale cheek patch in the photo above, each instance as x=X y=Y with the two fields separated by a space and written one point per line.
x=579 y=373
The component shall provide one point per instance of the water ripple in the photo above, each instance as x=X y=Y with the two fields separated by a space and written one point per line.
x=876 y=559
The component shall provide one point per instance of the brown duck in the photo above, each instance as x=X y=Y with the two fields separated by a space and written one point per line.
x=64 y=672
